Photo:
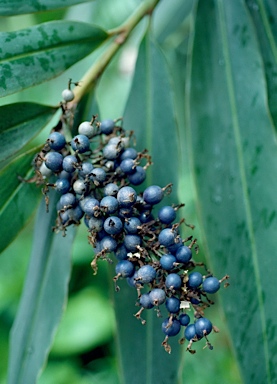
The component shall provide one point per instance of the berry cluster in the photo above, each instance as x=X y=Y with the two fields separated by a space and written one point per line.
x=96 y=174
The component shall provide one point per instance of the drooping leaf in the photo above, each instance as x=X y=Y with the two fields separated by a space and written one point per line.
x=17 y=7
x=149 y=113
x=233 y=152
x=33 y=55
x=18 y=199
x=264 y=14
x=19 y=123
x=43 y=299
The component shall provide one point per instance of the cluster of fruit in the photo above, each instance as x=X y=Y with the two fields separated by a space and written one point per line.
x=96 y=174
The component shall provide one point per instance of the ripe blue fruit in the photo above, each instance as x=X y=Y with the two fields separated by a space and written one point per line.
x=153 y=194
x=113 y=225
x=98 y=175
x=211 y=284
x=184 y=319
x=126 y=197
x=173 y=281
x=80 y=187
x=54 y=161
x=95 y=224
x=121 y=252
x=107 y=126
x=109 y=204
x=145 y=301
x=131 y=225
x=172 y=304
x=167 y=261
x=129 y=153
x=69 y=163
x=195 y=279
x=138 y=176
x=80 y=143
x=86 y=169
x=108 y=243
x=62 y=185
x=173 y=329
x=190 y=332
x=146 y=274
x=128 y=166
x=67 y=199
x=112 y=151
x=157 y=296
x=167 y=214
x=167 y=237
x=203 y=327
x=131 y=242
x=91 y=206
x=183 y=254
x=56 y=141
x=125 y=268
x=111 y=189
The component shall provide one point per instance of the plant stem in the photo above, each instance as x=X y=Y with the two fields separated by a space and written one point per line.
x=119 y=35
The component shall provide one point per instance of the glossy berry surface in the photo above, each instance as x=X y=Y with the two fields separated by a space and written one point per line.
x=153 y=194
x=211 y=284
x=171 y=329
x=203 y=327
x=195 y=279
x=80 y=143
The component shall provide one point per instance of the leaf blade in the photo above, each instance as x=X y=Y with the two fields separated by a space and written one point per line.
x=18 y=199
x=25 y=121
x=44 y=51
x=229 y=163
x=45 y=287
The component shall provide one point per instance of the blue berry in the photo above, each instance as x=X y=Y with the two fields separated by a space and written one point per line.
x=95 y=224
x=121 y=252
x=190 y=332
x=131 y=225
x=56 y=141
x=167 y=261
x=107 y=126
x=126 y=197
x=146 y=216
x=87 y=129
x=67 y=199
x=113 y=225
x=183 y=254
x=167 y=237
x=173 y=329
x=138 y=176
x=172 y=304
x=62 y=185
x=80 y=143
x=153 y=194
x=173 y=281
x=98 y=175
x=129 y=153
x=203 y=327
x=112 y=151
x=184 y=319
x=108 y=243
x=86 y=169
x=111 y=189
x=128 y=166
x=157 y=296
x=125 y=268
x=195 y=279
x=109 y=204
x=167 y=214
x=69 y=163
x=145 y=301
x=80 y=187
x=131 y=242
x=54 y=161
x=211 y=284
x=91 y=206
x=146 y=274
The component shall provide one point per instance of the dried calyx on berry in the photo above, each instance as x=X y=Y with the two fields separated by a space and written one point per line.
x=97 y=174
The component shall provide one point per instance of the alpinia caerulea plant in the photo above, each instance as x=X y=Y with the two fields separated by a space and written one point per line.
x=166 y=103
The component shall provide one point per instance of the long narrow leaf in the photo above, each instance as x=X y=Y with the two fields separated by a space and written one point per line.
x=149 y=113
x=18 y=7
x=43 y=299
x=18 y=199
x=19 y=123
x=33 y=55
x=233 y=152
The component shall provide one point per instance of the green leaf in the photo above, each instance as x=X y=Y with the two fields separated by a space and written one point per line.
x=263 y=14
x=18 y=199
x=33 y=55
x=43 y=299
x=234 y=158
x=18 y=7
x=149 y=113
x=19 y=123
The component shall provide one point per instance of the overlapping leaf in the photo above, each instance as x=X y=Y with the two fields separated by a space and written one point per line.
x=43 y=299
x=33 y=55
x=19 y=123
x=149 y=113
x=233 y=150
x=18 y=199
x=18 y=7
